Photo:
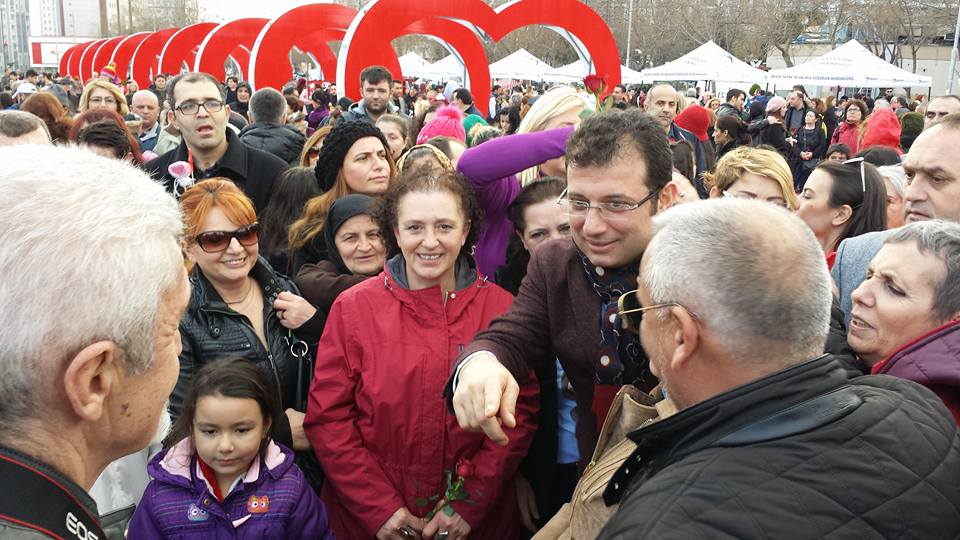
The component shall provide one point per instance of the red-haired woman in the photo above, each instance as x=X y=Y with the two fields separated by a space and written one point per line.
x=48 y=108
x=106 y=115
x=239 y=306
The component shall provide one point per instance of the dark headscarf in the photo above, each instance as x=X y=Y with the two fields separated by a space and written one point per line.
x=336 y=146
x=341 y=210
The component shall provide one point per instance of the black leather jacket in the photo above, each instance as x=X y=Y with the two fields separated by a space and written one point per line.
x=211 y=330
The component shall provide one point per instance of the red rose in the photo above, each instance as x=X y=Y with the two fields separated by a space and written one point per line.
x=595 y=84
x=465 y=469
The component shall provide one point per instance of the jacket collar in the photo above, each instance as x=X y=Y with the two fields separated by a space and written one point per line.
x=205 y=296
x=424 y=302
x=929 y=360
x=178 y=465
x=235 y=159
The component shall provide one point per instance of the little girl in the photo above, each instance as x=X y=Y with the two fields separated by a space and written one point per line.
x=221 y=475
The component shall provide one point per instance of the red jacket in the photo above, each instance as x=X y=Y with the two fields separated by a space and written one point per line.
x=849 y=135
x=883 y=129
x=376 y=418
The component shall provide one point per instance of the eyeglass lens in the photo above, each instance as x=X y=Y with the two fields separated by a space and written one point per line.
x=215 y=241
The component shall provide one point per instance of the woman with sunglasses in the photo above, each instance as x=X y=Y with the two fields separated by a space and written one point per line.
x=843 y=199
x=377 y=419
x=240 y=306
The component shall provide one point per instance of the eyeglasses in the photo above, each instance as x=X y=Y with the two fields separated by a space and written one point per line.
x=776 y=200
x=863 y=175
x=631 y=312
x=577 y=208
x=217 y=241
x=191 y=107
x=104 y=100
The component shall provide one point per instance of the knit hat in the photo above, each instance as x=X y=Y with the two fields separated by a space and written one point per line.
x=776 y=103
x=110 y=71
x=911 y=123
x=696 y=120
x=468 y=124
x=447 y=123
x=341 y=210
x=336 y=146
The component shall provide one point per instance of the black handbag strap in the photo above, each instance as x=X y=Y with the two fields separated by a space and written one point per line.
x=36 y=500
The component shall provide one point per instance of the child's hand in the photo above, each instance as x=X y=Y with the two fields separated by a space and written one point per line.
x=293 y=310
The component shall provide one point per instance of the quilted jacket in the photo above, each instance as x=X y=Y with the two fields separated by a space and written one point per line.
x=803 y=453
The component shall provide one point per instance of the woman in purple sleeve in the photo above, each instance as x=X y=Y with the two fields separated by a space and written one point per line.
x=498 y=168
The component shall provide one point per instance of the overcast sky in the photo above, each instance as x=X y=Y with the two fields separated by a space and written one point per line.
x=228 y=10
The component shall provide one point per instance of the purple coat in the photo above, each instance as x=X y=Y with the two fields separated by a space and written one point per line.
x=492 y=170
x=932 y=360
x=272 y=501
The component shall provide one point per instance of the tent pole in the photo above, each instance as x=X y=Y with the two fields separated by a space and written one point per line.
x=953 y=55
x=629 y=31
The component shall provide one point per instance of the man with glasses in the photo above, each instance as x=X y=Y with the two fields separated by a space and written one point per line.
x=771 y=438
x=618 y=176
x=208 y=147
x=932 y=192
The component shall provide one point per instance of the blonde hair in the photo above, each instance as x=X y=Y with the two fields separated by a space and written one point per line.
x=759 y=161
x=315 y=139
x=550 y=105
x=122 y=108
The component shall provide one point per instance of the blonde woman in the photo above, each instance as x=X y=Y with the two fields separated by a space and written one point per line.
x=102 y=94
x=753 y=173
x=493 y=168
x=311 y=149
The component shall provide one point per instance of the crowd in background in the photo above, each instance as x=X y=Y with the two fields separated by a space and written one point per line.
x=402 y=318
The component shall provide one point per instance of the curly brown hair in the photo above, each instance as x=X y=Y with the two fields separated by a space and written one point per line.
x=425 y=180
x=48 y=108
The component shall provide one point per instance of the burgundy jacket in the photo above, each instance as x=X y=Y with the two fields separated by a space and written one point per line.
x=932 y=360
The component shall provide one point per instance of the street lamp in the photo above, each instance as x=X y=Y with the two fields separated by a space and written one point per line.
x=630 y=31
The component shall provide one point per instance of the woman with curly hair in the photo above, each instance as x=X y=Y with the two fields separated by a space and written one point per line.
x=48 y=108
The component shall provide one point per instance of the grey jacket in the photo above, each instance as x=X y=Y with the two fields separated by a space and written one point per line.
x=851 y=264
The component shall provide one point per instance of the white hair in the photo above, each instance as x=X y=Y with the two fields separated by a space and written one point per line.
x=753 y=273
x=896 y=175
x=89 y=247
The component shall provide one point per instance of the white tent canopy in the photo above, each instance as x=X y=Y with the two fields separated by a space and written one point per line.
x=447 y=67
x=708 y=62
x=850 y=64
x=413 y=65
x=519 y=65
x=576 y=71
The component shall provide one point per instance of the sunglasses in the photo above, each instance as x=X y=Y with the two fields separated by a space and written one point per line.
x=631 y=312
x=217 y=241
x=863 y=176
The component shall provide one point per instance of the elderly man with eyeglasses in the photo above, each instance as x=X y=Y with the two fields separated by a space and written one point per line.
x=208 y=148
x=618 y=177
x=772 y=439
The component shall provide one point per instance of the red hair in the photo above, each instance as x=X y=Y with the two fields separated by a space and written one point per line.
x=94 y=116
x=199 y=199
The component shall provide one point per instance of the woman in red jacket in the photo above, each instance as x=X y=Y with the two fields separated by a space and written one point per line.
x=397 y=463
x=848 y=132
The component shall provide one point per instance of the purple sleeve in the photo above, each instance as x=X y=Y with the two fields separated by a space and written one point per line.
x=309 y=518
x=491 y=167
x=142 y=524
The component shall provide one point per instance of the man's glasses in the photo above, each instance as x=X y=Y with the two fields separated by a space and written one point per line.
x=631 y=312
x=217 y=241
x=863 y=176
x=191 y=108
x=577 y=208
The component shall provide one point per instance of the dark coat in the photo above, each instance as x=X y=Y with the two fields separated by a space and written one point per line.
x=210 y=330
x=322 y=282
x=254 y=171
x=877 y=458
x=282 y=141
x=773 y=135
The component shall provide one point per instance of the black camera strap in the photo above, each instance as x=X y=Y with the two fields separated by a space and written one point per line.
x=33 y=498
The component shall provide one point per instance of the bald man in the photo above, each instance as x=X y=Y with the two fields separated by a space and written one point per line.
x=146 y=105
x=18 y=127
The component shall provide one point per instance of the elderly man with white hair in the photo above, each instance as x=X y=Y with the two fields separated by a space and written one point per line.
x=91 y=296
x=772 y=438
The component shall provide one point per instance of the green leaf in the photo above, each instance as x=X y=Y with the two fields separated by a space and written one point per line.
x=449 y=511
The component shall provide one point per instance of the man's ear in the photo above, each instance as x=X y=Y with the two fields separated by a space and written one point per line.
x=686 y=337
x=669 y=196
x=90 y=377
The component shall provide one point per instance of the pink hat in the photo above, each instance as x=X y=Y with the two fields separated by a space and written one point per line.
x=447 y=123
x=775 y=104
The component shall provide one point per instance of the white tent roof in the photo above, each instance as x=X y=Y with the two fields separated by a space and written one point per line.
x=850 y=64
x=708 y=62
x=413 y=65
x=576 y=71
x=519 y=65
x=447 y=67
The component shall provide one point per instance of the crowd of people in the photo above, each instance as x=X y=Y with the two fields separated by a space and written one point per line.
x=282 y=314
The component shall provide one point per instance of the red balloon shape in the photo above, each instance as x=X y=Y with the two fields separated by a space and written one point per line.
x=308 y=28
x=385 y=20
x=181 y=47
x=235 y=39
